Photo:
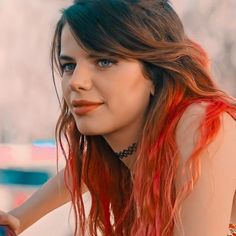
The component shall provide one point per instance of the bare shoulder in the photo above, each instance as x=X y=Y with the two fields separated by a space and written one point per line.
x=187 y=132
x=223 y=147
x=207 y=210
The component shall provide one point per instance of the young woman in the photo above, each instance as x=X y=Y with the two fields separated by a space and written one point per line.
x=148 y=132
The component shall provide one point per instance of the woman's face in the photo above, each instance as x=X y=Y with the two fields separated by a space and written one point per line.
x=117 y=86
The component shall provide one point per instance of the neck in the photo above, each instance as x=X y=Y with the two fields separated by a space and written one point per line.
x=122 y=139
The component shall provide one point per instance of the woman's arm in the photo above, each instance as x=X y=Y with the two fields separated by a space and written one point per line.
x=50 y=196
x=206 y=211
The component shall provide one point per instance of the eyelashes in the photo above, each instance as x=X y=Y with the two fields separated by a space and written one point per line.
x=103 y=63
x=68 y=67
x=106 y=60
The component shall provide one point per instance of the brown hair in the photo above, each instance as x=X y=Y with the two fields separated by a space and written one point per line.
x=151 y=32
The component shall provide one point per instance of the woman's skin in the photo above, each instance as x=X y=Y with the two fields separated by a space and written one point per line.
x=124 y=94
x=210 y=204
x=50 y=196
x=120 y=87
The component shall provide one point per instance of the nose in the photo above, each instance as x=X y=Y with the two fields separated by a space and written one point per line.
x=81 y=78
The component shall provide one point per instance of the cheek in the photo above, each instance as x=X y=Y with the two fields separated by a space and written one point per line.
x=65 y=90
x=130 y=103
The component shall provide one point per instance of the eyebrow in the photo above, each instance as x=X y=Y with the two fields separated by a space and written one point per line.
x=65 y=58
x=89 y=56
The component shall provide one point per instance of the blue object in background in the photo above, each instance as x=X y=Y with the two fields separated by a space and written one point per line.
x=44 y=143
x=2 y=231
x=23 y=177
x=6 y=231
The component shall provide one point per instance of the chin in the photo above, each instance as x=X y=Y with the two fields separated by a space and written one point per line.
x=88 y=131
x=92 y=132
x=92 y=129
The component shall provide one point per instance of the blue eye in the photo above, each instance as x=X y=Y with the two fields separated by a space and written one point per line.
x=106 y=63
x=68 y=67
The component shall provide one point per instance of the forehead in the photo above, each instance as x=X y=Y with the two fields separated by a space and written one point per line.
x=72 y=47
x=69 y=45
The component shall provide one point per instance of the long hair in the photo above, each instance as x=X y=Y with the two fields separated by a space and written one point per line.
x=151 y=32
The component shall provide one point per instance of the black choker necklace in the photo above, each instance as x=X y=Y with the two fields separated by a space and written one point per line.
x=126 y=152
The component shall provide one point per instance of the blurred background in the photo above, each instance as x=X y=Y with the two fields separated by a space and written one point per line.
x=28 y=102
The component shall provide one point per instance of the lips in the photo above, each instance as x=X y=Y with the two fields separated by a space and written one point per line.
x=76 y=103
x=82 y=107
